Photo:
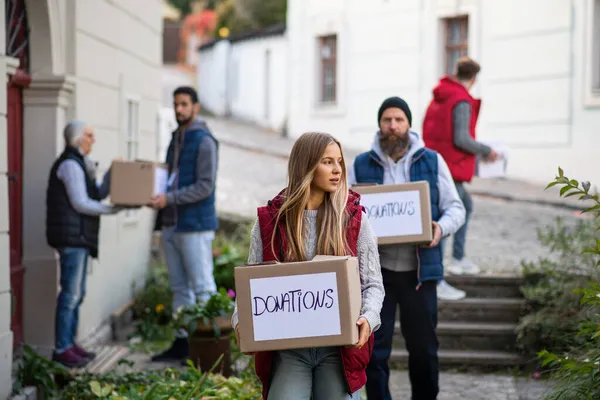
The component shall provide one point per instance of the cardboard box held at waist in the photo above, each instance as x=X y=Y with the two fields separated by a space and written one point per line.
x=398 y=213
x=133 y=183
x=297 y=305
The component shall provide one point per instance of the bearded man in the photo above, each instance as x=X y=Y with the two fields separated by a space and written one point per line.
x=410 y=272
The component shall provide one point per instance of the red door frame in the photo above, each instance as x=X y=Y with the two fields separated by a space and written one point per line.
x=14 y=124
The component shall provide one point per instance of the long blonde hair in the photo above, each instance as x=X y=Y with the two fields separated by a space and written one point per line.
x=304 y=160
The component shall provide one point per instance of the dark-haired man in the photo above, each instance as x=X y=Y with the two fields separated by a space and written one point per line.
x=449 y=129
x=187 y=214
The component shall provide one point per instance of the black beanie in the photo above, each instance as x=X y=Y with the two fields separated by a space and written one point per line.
x=394 y=102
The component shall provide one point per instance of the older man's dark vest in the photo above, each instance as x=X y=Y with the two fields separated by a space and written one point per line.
x=65 y=227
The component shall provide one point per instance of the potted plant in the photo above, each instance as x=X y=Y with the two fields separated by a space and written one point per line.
x=209 y=327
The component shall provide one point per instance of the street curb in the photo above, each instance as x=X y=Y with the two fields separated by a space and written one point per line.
x=476 y=192
x=507 y=197
x=255 y=149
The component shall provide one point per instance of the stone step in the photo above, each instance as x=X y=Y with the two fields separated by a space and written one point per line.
x=465 y=358
x=488 y=286
x=107 y=359
x=480 y=309
x=469 y=336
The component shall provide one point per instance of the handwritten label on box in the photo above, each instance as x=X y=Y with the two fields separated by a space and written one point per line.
x=394 y=213
x=296 y=306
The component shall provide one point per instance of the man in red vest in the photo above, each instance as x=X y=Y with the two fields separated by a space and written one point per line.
x=449 y=129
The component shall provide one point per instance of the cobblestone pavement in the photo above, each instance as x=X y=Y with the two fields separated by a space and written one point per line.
x=454 y=386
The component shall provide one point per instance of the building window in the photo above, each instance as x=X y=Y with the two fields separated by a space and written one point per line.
x=456 y=41
x=328 y=68
x=132 y=134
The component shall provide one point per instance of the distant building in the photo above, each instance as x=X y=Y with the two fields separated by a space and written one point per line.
x=540 y=79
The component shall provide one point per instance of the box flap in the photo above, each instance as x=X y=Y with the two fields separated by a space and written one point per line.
x=326 y=258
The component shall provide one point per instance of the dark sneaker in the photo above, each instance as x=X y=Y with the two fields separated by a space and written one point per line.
x=178 y=351
x=83 y=353
x=70 y=359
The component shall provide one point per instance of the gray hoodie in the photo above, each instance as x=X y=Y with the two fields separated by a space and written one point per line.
x=402 y=257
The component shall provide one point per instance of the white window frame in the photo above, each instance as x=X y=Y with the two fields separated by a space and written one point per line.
x=591 y=81
x=131 y=144
x=319 y=27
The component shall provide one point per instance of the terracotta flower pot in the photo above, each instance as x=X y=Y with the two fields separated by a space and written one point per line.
x=205 y=348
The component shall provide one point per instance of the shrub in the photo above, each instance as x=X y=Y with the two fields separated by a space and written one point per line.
x=576 y=372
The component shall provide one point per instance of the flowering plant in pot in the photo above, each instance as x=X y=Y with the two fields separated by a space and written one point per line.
x=208 y=324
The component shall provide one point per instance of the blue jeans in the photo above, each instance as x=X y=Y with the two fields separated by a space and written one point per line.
x=460 y=237
x=305 y=374
x=190 y=266
x=73 y=274
x=418 y=322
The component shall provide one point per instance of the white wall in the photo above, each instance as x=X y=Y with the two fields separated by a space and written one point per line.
x=212 y=78
x=258 y=83
x=254 y=86
x=116 y=62
x=532 y=53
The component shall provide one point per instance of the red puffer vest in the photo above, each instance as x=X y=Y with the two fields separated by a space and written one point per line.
x=355 y=361
x=438 y=130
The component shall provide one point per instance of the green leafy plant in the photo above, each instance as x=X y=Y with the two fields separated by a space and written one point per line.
x=553 y=311
x=220 y=304
x=163 y=384
x=576 y=372
x=36 y=370
x=230 y=250
x=152 y=306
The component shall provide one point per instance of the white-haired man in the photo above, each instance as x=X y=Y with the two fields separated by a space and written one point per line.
x=73 y=212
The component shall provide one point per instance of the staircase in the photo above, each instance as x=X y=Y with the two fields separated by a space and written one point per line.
x=478 y=331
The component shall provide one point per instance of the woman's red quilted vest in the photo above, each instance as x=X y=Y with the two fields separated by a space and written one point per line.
x=355 y=361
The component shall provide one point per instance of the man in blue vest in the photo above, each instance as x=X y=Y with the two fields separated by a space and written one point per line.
x=410 y=272
x=187 y=212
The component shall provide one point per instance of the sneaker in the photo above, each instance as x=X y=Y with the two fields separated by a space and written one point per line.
x=447 y=292
x=464 y=266
x=178 y=351
x=90 y=355
x=70 y=359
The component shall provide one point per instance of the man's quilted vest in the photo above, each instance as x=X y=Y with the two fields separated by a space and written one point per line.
x=368 y=168
x=200 y=216
x=65 y=227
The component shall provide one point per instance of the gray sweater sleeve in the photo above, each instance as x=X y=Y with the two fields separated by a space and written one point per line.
x=371 y=281
x=206 y=175
x=461 y=118
x=73 y=177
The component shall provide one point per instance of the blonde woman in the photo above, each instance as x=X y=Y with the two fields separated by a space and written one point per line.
x=317 y=214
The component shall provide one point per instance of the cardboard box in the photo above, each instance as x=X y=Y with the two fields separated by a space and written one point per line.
x=297 y=305
x=133 y=183
x=398 y=213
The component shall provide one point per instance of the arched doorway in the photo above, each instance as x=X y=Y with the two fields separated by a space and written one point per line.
x=17 y=46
